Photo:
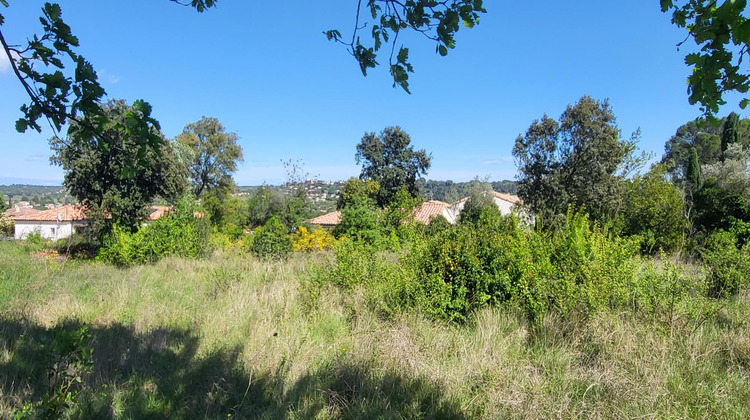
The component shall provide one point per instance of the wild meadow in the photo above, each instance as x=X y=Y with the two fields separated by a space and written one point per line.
x=355 y=332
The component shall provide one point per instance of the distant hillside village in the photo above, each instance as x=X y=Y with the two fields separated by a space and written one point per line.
x=60 y=220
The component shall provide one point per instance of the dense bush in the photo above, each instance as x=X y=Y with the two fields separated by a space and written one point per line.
x=655 y=212
x=728 y=265
x=177 y=233
x=271 y=240
x=576 y=267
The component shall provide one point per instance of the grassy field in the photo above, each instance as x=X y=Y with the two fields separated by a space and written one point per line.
x=235 y=337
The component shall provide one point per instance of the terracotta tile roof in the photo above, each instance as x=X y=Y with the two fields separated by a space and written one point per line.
x=330 y=219
x=429 y=210
x=16 y=212
x=66 y=213
x=156 y=212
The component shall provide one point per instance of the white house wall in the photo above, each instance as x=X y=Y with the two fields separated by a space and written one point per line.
x=47 y=230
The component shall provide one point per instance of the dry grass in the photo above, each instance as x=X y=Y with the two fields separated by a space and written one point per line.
x=234 y=335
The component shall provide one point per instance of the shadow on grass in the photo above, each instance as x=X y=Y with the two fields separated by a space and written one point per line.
x=159 y=375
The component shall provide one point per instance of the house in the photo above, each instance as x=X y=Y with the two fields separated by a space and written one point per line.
x=51 y=224
x=327 y=221
x=429 y=210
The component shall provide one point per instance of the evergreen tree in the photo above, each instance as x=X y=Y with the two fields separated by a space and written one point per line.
x=694 y=170
x=731 y=133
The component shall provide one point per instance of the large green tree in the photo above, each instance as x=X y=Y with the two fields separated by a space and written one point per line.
x=99 y=170
x=215 y=155
x=389 y=158
x=579 y=160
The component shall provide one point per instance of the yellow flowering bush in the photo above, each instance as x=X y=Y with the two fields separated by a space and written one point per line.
x=310 y=241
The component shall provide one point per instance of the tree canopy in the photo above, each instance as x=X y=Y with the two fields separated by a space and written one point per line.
x=95 y=167
x=706 y=139
x=215 y=155
x=578 y=161
x=390 y=159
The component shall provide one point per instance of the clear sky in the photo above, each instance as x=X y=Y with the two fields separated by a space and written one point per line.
x=266 y=71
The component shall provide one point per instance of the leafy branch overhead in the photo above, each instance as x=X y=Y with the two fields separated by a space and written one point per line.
x=722 y=33
x=438 y=21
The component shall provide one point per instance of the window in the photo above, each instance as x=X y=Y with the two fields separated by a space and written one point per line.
x=52 y=230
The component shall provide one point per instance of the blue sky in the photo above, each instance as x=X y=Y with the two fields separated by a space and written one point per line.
x=267 y=72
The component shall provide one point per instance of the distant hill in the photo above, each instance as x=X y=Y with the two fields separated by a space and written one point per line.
x=37 y=195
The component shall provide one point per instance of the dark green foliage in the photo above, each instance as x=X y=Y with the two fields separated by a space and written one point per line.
x=178 y=233
x=694 y=171
x=731 y=132
x=391 y=160
x=215 y=155
x=271 y=240
x=3 y=203
x=706 y=138
x=717 y=208
x=720 y=32
x=654 y=212
x=112 y=173
x=576 y=161
x=727 y=264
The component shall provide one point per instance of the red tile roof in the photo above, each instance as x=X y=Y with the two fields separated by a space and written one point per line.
x=156 y=212
x=330 y=219
x=430 y=210
x=66 y=213
x=16 y=212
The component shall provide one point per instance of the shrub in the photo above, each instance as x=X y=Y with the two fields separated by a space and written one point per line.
x=317 y=240
x=271 y=240
x=6 y=226
x=177 y=233
x=727 y=265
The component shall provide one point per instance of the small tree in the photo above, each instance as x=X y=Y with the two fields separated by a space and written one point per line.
x=216 y=155
x=389 y=159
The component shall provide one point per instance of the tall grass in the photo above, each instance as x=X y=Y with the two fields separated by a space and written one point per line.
x=234 y=335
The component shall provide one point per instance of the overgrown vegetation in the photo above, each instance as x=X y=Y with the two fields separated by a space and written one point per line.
x=235 y=335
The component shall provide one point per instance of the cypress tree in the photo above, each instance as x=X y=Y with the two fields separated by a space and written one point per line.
x=694 y=170
x=730 y=134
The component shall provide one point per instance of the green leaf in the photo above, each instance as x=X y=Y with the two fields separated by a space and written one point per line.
x=744 y=103
x=442 y=50
x=21 y=125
